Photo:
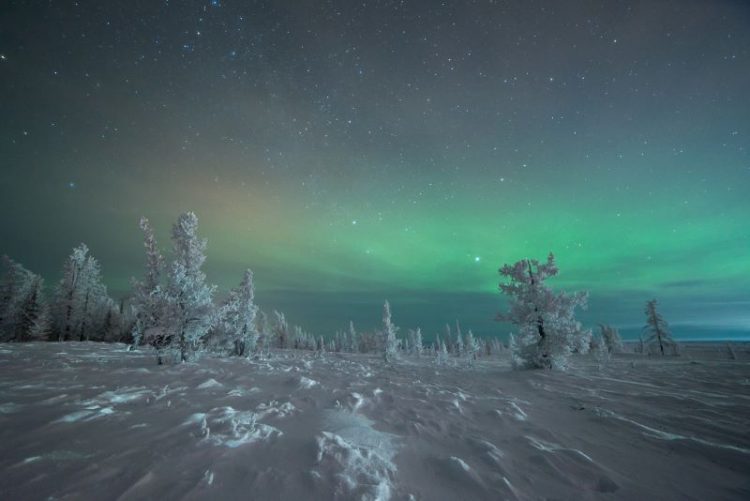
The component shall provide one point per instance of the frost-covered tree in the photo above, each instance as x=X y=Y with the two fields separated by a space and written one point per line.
x=416 y=346
x=656 y=331
x=459 y=347
x=471 y=346
x=237 y=323
x=15 y=284
x=353 y=338
x=24 y=314
x=547 y=329
x=81 y=299
x=611 y=338
x=149 y=296
x=448 y=339
x=390 y=342
x=442 y=353
x=189 y=312
x=22 y=303
x=281 y=330
x=264 y=332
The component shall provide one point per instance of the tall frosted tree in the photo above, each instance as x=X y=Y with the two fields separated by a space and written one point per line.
x=81 y=299
x=189 y=312
x=238 y=317
x=547 y=331
x=656 y=331
x=390 y=342
x=149 y=297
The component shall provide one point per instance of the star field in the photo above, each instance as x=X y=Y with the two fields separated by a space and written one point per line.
x=353 y=151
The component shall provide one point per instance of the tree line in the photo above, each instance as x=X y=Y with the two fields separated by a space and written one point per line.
x=173 y=309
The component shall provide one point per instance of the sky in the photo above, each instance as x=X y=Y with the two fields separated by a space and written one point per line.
x=352 y=152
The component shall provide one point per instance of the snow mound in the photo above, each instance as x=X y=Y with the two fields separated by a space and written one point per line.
x=232 y=428
x=210 y=383
x=274 y=408
x=307 y=382
x=89 y=414
x=356 y=457
x=119 y=396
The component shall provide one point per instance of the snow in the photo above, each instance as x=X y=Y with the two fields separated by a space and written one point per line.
x=95 y=421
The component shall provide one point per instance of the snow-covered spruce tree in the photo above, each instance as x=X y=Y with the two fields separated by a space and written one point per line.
x=149 y=296
x=547 y=329
x=238 y=313
x=390 y=343
x=415 y=342
x=611 y=338
x=471 y=346
x=189 y=313
x=353 y=338
x=281 y=330
x=14 y=287
x=657 y=332
x=448 y=339
x=442 y=353
x=81 y=299
x=23 y=310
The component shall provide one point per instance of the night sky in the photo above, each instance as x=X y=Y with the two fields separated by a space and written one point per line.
x=350 y=152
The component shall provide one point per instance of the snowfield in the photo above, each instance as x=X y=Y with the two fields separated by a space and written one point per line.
x=95 y=421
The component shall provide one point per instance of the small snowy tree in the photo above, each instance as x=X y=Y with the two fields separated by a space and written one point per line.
x=657 y=331
x=281 y=330
x=611 y=338
x=416 y=344
x=189 y=312
x=238 y=317
x=459 y=346
x=149 y=297
x=547 y=329
x=471 y=346
x=353 y=338
x=442 y=353
x=390 y=343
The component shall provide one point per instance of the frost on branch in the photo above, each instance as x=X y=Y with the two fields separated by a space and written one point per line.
x=547 y=331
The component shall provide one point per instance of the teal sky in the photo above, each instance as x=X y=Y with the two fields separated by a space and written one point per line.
x=351 y=153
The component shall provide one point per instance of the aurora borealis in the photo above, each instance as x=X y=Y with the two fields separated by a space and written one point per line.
x=350 y=152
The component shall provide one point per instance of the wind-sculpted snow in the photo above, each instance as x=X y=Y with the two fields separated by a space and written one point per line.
x=91 y=421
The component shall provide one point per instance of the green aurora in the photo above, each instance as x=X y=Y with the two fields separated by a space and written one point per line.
x=373 y=165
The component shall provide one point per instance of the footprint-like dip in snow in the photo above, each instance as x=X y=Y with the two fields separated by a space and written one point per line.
x=231 y=428
x=356 y=457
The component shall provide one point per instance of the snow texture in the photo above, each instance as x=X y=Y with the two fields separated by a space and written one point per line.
x=86 y=420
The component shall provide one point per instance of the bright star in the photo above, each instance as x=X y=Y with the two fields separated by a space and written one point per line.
x=477 y=259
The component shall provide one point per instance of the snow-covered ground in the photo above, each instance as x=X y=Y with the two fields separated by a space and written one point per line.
x=94 y=421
